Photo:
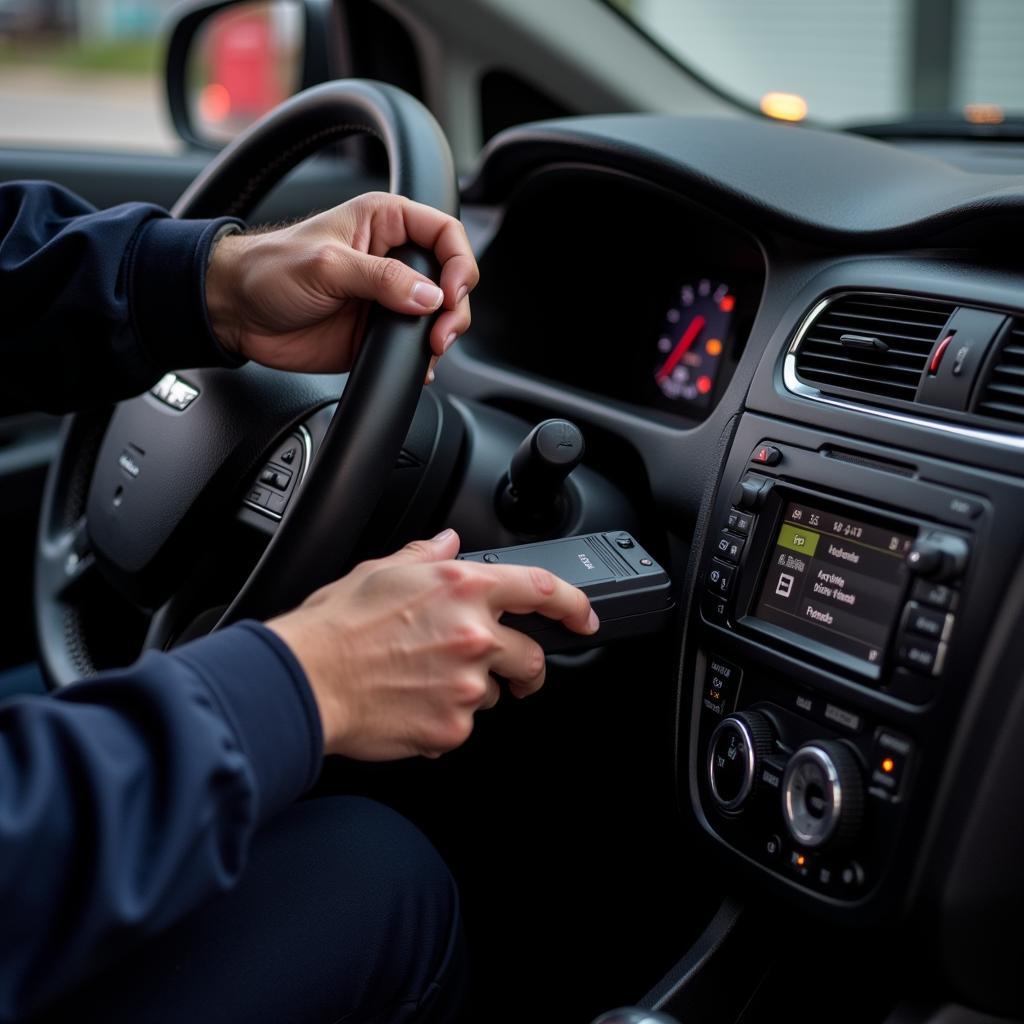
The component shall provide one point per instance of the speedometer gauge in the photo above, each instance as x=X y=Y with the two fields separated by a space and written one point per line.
x=692 y=340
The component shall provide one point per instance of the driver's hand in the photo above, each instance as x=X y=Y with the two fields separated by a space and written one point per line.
x=400 y=652
x=296 y=298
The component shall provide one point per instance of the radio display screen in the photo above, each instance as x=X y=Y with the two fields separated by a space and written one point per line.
x=836 y=580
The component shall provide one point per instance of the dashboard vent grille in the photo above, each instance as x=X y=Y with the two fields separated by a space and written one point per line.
x=1002 y=396
x=873 y=344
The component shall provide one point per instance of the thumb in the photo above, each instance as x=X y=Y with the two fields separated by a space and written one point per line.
x=389 y=282
x=445 y=545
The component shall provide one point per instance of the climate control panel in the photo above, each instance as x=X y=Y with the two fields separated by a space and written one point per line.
x=805 y=786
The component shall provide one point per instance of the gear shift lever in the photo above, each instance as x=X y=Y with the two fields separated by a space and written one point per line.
x=533 y=497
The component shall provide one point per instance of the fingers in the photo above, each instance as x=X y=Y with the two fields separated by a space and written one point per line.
x=447 y=238
x=450 y=326
x=395 y=220
x=524 y=589
x=520 y=660
x=438 y=549
x=387 y=281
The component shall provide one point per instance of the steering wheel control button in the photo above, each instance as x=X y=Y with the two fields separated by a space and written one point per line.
x=729 y=546
x=722 y=685
x=822 y=794
x=936 y=595
x=720 y=577
x=258 y=496
x=735 y=751
x=738 y=522
x=766 y=455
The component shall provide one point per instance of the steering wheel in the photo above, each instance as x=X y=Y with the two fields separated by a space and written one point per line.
x=141 y=491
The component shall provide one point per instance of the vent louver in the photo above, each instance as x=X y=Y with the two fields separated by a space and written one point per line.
x=1002 y=396
x=872 y=344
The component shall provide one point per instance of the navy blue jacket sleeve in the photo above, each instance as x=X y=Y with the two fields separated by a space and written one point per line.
x=129 y=799
x=97 y=304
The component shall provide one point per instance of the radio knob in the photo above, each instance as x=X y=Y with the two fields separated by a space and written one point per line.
x=938 y=556
x=823 y=794
x=735 y=751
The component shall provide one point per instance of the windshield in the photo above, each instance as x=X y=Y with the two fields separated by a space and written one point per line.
x=850 y=61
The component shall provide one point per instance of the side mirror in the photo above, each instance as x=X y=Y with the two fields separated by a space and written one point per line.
x=231 y=61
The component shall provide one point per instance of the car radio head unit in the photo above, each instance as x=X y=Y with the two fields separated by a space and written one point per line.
x=836 y=580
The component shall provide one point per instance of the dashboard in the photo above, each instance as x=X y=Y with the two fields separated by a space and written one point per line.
x=812 y=345
x=616 y=287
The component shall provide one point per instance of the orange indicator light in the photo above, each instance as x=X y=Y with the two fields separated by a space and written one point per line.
x=713 y=347
x=801 y=860
x=784 y=106
x=888 y=766
x=984 y=113
x=727 y=304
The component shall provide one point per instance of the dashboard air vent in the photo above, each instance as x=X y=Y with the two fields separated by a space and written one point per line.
x=873 y=344
x=1002 y=395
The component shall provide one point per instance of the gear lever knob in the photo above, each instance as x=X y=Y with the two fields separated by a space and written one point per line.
x=533 y=500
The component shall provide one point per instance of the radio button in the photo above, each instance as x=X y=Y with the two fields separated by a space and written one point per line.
x=720 y=577
x=937 y=595
x=920 y=655
x=889 y=762
x=729 y=547
x=714 y=608
x=739 y=522
x=723 y=683
x=927 y=622
x=750 y=492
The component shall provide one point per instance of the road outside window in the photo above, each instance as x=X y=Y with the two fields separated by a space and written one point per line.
x=83 y=73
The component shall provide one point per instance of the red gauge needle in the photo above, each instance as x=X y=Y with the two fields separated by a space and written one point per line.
x=688 y=338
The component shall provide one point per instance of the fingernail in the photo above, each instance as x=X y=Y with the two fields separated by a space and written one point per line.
x=593 y=623
x=428 y=296
x=449 y=341
x=430 y=376
x=461 y=294
x=443 y=536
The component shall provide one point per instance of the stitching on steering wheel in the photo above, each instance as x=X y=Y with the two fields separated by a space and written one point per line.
x=76 y=644
x=292 y=153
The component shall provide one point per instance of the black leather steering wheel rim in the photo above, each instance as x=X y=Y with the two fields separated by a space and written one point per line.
x=316 y=540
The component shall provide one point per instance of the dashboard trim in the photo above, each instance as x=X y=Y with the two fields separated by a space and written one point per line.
x=797 y=387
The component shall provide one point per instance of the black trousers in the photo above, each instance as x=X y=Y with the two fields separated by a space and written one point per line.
x=345 y=913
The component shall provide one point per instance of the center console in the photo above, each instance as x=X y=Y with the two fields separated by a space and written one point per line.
x=840 y=593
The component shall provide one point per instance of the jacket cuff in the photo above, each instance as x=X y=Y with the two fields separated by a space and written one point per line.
x=166 y=283
x=263 y=693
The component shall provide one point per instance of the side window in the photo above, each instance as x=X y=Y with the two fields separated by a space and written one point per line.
x=84 y=74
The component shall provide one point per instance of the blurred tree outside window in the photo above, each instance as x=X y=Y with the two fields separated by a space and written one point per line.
x=84 y=74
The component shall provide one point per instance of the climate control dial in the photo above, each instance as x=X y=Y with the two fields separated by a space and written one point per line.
x=823 y=794
x=735 y=751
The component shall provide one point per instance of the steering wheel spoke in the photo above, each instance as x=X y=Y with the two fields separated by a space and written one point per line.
x=70 y=560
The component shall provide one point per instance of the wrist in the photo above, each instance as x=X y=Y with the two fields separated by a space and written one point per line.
x=223 y=289
x=333 y=716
